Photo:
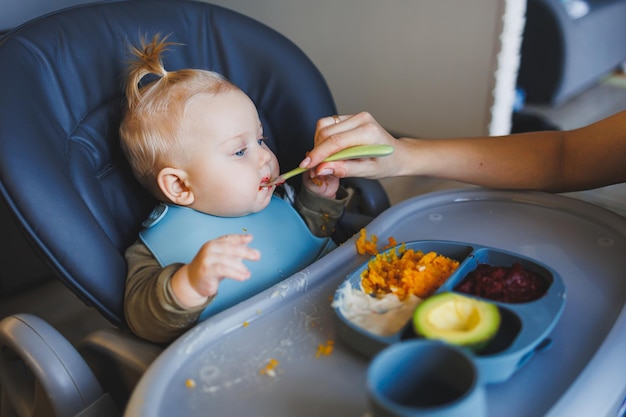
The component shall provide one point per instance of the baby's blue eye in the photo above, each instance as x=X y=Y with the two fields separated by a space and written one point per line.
x=261 y=140
x=241 y=152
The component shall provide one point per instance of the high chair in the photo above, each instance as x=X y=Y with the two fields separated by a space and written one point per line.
x=70 y=190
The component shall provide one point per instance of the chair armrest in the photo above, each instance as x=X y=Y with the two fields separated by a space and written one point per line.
x=118 y=359
x=370 y=198
x=42 y=373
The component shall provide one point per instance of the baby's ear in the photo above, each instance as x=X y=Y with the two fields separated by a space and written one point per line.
x=173 y=183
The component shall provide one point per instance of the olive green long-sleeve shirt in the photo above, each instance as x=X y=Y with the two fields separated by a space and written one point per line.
x=151 y=308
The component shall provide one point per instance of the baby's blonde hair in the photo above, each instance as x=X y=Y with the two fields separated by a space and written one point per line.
x=152 y=128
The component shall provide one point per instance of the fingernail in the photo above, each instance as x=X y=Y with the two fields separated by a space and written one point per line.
x=325 y=171
x=305 y=162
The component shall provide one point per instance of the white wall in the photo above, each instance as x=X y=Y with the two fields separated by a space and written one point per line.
x=422 y=67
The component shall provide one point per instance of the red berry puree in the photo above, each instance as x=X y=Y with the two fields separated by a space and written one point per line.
x=508 y=285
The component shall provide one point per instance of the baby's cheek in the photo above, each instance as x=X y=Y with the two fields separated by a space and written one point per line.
x=275 y=168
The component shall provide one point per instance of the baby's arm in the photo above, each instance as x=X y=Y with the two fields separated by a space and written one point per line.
x=153 y=310
x=320 y=213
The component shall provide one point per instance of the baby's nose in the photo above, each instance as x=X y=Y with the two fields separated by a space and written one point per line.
x=265 y=156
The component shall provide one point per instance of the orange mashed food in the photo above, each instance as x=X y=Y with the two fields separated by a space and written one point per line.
x=403 y=271
x=368 y=247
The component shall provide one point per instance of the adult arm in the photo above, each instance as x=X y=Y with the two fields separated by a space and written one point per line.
x=555 y=161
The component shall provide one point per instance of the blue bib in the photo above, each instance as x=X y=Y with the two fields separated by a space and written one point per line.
x=174 y=234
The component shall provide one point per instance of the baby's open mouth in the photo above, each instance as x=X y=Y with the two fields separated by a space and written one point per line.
x=264 y=182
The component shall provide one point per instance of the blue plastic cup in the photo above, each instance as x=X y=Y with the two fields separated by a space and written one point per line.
x=424 y=378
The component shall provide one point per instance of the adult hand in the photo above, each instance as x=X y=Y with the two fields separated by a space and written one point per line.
x=335 y=133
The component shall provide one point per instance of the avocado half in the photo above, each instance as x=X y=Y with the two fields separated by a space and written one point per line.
x=457 y=319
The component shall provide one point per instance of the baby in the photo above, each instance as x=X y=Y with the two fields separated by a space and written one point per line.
x=195 y=141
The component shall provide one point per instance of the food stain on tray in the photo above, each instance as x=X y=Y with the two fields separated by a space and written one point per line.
x=270 y=368
x=213 y=380
x=263 y=368
x=325 y=349
x=298 y=282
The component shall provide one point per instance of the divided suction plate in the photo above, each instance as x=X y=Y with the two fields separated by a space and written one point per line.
x=524 y=328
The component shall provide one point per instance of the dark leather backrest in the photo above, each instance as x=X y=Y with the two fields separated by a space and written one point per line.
x=61 y=77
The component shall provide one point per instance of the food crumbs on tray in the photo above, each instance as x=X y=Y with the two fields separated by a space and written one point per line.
x=405 y=271
x=246 y=324
x=365 y=246
x=190 y=383
x=269 y=369
x=326 y=349
x=391 y=244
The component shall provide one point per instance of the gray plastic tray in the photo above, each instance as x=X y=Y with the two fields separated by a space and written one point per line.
x=214 y=369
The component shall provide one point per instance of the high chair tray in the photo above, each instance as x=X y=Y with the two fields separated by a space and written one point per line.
x=279 y=353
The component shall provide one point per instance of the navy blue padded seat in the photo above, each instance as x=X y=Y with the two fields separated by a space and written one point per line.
x=61 y=169
x=66 y=183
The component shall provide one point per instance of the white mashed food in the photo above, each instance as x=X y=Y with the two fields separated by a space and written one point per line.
x=380 y=316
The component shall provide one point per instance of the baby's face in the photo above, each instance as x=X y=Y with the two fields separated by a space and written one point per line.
x=228 y=159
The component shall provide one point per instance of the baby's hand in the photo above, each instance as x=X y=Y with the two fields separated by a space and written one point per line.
x=217 y=259
x=322 y=185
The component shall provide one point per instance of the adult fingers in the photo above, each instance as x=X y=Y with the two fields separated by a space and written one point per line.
x=338 y=132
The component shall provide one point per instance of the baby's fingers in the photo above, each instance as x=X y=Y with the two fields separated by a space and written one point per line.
x=206 y=277
x=233 y=245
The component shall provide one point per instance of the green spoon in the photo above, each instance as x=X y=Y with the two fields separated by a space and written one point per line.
x=354 y=152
